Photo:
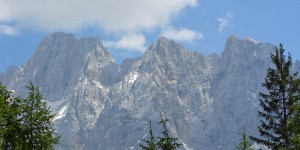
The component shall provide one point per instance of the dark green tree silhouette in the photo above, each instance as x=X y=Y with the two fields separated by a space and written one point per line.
x=245 y=143
x=295 y=127
x=151 y=144
x=278 y=103
x=166 y=142
x=10 y=127
x=36 y=117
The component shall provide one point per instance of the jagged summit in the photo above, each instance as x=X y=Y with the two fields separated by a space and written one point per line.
x=59 y=61
x=103 y=105
x=60 y=34
x=248 y=47
x=165 y=41
x=165 y=49
x=60 y=42
x=233 y=38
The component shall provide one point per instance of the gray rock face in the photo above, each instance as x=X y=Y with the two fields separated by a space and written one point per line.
x=103 y=105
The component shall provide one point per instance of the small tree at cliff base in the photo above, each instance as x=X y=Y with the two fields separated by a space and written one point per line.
x=245 y=143
x=165 y=142
x=150 y=144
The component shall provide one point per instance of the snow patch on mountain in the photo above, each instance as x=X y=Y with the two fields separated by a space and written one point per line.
x=56 y=105
x=132 y=77
x=62 y=112
x=130 y=148
x=98 y=84
x=85 y=81
x=185 y=146
x=253 y=94
x=142 y=138
x=254 y=98
x=34 y=72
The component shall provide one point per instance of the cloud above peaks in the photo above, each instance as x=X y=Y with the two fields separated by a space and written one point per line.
x=7 y=30
x=133 y=42
x=183 y=34
x=225 y=21
x=117 y=16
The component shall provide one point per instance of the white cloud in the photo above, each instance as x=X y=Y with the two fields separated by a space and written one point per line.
x=117 y=16
x=225 y=21
x=7 y=30
x=183 y=34
x=134 y=42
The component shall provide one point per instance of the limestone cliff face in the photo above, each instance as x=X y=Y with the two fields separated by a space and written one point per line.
x=103 y=105
x=68 y=71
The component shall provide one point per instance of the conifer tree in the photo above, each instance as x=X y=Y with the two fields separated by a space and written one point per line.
x=10 y=127
x=36 y=118
x=278 y=103
x=166 y=142
x=151 y=144
x=4 y=95
x=245 y=143
x=295 y=127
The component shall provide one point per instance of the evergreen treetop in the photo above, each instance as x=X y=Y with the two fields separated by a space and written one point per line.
x=166 y=142
x=278 y=104
x=151 y=144
x=26 y=124
x=245 y=143
x=37 y=119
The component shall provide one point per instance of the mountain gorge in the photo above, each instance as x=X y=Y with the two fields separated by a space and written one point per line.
x=103 y=105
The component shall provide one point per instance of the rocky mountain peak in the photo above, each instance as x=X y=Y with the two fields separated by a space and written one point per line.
x=244 y=50
x=161 y=45
x=208 y=99
x=59 y=61
x=232 y=38
x=165 y=50
x=59 y=43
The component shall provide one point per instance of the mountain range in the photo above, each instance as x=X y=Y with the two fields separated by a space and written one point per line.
x=103 y=105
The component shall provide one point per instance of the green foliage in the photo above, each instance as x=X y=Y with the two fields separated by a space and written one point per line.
x=295 y=127
x=278 y=103
x=36 y=118
x=164 y=143
x=10 y=126
x=26 y=123
x=151 y=144
x=245 y=143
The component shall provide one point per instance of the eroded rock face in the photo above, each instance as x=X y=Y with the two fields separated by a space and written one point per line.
x=103 y=105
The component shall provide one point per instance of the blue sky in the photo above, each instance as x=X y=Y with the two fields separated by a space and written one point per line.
x=127 y=27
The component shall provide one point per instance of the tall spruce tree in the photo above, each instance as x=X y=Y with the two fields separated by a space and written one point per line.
x=151 y=144
x=245 y=143
x=166 y=142
x=36 y=117
x=278 y=104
